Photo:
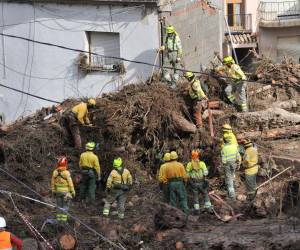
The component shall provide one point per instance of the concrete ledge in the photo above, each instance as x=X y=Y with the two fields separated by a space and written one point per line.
x=280 y=23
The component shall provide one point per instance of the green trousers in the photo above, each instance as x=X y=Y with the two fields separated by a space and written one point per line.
x=250 y=185
x=171 y=75
x=88 y=186
x=115 y=195
x=229 y=178
x=197 y=188
x=62 y=203
x=238 y=89
x=177 y=192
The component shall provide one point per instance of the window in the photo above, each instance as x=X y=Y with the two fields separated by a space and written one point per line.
x=106 y=44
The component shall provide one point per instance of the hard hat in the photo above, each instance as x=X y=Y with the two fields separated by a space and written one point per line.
x=195 y=154
x=247 y=143
x=62 y=161
x=226 y=127
x=90 y=146
x=174 y=155
x=118 y=162
x=170 y=29
x=92 y=102
x=228 y=60
x=2 y=222
x=188 y=74
x=167 y=157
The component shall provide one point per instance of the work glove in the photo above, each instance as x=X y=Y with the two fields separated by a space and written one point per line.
x=178 y=59
x=162 y=48
x=73 y=194
x=68 y=196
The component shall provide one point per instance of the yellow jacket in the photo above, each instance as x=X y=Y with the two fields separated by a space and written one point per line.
x=115 y=178
x=232 y=137
x=89 y=160
x=196 y=169
x=195 y=90
x=61 y=182
x=173 y=169
x=234 y=71
x=250 y=160
x=81 y=112
x=230 y=154
x=161 y=172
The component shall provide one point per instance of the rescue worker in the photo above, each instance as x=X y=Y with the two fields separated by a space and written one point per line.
x=78 y=115
x=162 y=185
x=236 y=84
x=249 y=162
x=91 y=172
x=197 y=171
x=8 y=241
x=198 y=97
x=172 y=56
x=62 y=188
x=231 y=160
x=118 y=184
x=228 y=133
x=175 y=176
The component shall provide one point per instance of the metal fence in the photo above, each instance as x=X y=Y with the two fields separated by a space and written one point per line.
x=240 y=22
x=276 y=11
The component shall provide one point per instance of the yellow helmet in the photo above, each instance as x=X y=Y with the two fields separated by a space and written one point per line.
x=167 y=157
x=170 y=29
x=228 y=60
x=189 y=75
x=174 y=155
x=226 y=127
x=90 y=146
x=247 y=143
x=92 y=102
x=118 y=162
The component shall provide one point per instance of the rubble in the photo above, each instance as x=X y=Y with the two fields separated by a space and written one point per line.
x=139 y=123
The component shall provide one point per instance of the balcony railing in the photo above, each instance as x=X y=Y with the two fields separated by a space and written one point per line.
x=278 y=11
x=240 y=22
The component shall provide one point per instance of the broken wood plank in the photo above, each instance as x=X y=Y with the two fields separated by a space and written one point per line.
x=183 y=124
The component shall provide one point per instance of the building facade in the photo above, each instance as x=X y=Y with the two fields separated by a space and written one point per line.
x=279 y=25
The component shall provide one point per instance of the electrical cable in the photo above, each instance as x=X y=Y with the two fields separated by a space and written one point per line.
x=26 y=93
x=66 y=212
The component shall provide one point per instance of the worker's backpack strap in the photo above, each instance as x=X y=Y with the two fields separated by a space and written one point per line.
x=123 y=186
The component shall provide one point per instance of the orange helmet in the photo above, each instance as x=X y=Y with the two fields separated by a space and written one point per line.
x=62 y=162
x=195 y=154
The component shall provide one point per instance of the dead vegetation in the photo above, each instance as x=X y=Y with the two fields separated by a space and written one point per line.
x=139 y=123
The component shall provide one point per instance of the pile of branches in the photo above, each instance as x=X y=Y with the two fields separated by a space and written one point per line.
x=285 y=74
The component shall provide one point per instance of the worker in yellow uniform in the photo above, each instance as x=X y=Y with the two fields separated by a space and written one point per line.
x=237 y=84
x=197 y=171
x=118 y=184
x=90 y=171
x=228 y=133
x=172 y=55
x=175 y=176
x=78 y=115
x=162 y=185
x=198 y=97
x=231 y=160
x=250 y=164
x=62 y=187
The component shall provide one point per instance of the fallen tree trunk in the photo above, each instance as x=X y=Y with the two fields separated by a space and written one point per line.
x=285 y=105
x=275 y=133
x=183 y=124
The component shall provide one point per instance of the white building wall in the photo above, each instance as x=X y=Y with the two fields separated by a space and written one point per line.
x=52 y=72
x=251 y=7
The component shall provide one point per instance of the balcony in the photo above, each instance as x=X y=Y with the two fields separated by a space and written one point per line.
x=240 y=23
x=279 y=14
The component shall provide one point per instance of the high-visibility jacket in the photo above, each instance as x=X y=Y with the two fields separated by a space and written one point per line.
x=62 y=182
x=195 y=90
x=196 y=169
x=81 y=112
x=232 y=138
x=5 y=242
x=230 y=154
x=116 y=178
x=89 y=160
x=173 y=43
x=161 y=172
x=250 y=160
x=173 y=169
x=236 y=72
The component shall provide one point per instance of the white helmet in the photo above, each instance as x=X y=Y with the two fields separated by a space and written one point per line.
x=2 y=222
